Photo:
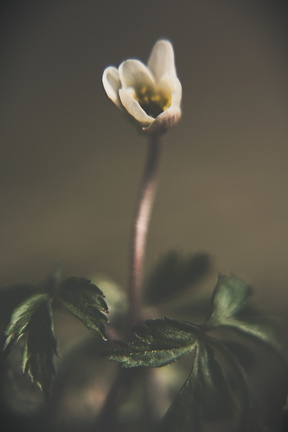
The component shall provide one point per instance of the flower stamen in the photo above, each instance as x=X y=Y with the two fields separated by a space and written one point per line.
x=153 y=101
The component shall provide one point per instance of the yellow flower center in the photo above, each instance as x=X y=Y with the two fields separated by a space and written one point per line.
x=152 y=100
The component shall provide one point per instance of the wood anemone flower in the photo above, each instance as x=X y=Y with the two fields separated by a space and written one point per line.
x=150 y=94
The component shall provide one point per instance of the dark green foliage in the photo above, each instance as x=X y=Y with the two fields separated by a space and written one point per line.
x=229 y=296
x=21 y=318
x=259 y=329
x=86 y=301
x=12 y=296
x=174 y=274
x=215 y=390
x=158 y=343
x=205 y=395
x=34 y=319
x=242 y=420
x=212 y=385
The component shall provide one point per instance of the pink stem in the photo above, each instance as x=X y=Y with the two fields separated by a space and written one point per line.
x=140 y=228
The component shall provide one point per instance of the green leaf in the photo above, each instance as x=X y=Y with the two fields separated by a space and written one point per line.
x=213 y=388
x=242 y=420
x=229 y=297
x=174 y=274
x=34 y=318
x=259 y=329
x=86 y=301
x=12 y=296
x=204 y=396
x=158 y=343
x=184 y=413
x=20 y=319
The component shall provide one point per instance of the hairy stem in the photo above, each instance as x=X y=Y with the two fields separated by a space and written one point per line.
x=140 y=227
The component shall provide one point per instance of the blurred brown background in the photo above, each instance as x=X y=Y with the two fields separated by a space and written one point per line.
x=70 y=163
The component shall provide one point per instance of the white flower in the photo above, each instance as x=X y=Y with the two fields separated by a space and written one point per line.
x=150 y=94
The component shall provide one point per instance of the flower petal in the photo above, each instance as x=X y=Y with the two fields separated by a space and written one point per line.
x=133 y=73
x=164 y=121
x=171 y=84
x=111 y=83
x=161 y=60
x=133 y=107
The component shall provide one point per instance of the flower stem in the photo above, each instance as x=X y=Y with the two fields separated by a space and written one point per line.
x=140 y=227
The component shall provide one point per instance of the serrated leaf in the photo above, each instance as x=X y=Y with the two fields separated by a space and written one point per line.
x=34 y=319
x=174 y=274
x=159 y=342
x=204 y=396
x=12 y=296
x=86 y=301
x=229 y=297
x=20 y=319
